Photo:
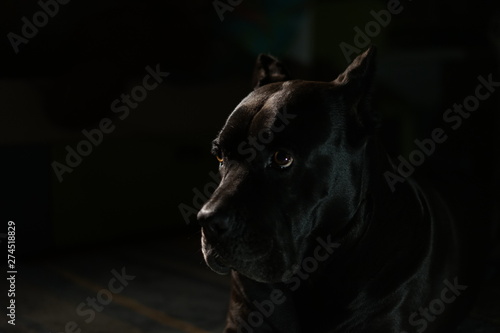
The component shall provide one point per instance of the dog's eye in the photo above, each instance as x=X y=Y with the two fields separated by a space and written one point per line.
x=282 y=159
x=219 y=158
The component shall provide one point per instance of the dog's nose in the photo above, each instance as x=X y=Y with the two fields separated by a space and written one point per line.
x=214 y=224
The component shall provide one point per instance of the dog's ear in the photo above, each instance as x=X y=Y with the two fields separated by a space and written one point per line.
x=268 y=69
x=356 y=83
x=358 y=75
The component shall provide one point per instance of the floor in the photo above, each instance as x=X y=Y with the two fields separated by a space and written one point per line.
x=158 y=286
x=158 y=289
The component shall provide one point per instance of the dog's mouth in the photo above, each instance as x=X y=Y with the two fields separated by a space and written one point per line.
x=215 y=262
x=213 y=259
x=217 y=265
x=221 y=261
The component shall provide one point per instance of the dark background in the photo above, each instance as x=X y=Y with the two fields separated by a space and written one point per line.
x=126 y=193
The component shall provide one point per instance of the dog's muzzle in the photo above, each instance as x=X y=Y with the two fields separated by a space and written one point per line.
x=212 y=258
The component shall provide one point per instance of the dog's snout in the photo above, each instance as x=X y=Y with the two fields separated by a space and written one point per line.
x=214 y=224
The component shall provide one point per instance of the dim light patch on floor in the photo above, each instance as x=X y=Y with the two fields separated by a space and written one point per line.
x=134 y=305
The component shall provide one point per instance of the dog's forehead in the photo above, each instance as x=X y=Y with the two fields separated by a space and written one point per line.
x=256 y=112
x=275 y=102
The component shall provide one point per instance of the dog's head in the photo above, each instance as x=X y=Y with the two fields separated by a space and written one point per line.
x=291 y=162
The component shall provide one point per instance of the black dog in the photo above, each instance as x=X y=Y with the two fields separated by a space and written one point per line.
x=303 y=217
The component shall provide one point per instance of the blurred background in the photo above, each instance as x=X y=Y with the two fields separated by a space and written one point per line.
x=64 y=64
